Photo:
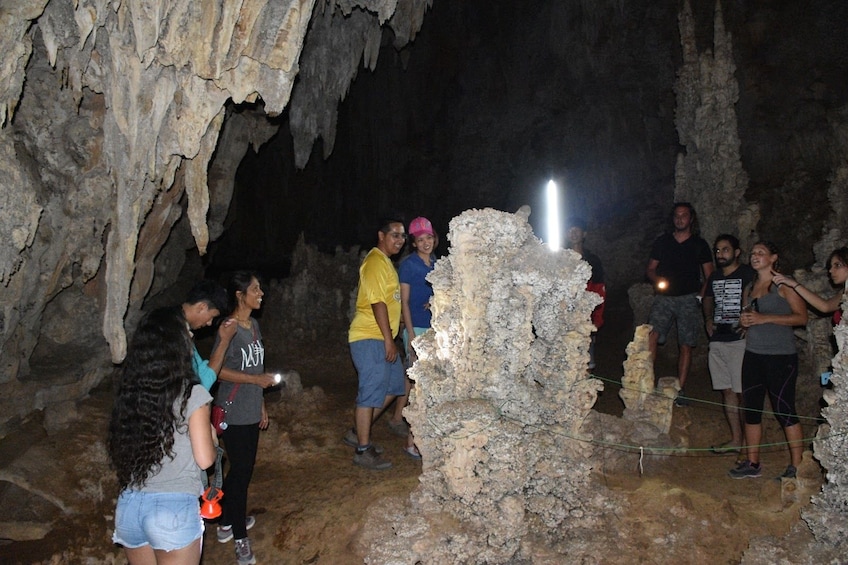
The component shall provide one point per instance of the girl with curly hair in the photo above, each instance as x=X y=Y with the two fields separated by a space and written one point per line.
x=160 y=441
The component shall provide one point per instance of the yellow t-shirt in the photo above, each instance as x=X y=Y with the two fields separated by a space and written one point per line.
x=378 y=282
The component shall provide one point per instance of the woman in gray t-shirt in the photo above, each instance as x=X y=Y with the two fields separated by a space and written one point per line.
x=770 y=365
x=240 y=387
x=160 y=440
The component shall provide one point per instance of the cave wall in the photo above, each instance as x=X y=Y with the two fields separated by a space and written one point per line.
x=111 y=113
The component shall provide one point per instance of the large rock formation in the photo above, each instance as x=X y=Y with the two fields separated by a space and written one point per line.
x=500 y=401
x=111 y=113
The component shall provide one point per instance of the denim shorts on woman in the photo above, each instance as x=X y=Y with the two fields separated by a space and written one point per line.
x=162 y=520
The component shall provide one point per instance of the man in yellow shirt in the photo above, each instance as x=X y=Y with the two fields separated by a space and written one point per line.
x=372 y=340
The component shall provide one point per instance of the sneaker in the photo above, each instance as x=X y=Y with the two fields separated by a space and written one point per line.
x=351 y=440
x=244 y=554
x=746 y=470
x=412 y=451
x=225 y=533
x=370 y=459
x=682 y=399
x=789 y=473
x=400 y=429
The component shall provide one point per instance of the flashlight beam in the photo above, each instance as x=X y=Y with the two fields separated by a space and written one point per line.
x=553 y=216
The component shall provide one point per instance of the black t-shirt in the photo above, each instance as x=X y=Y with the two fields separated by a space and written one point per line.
x=727 y=292
x=597 y=268
x=680 y=263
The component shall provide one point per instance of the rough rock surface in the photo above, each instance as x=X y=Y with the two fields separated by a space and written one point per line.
x=111 y=113
x=499 y=404
x=710 y=175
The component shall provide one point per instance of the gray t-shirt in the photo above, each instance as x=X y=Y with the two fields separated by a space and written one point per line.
x=247 y=355
x=181 y=474
x=771 y=339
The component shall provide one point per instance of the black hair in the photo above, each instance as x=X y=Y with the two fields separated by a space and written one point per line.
x=694 y=226
x=841 y=253
x=729 y=238
x=210 y=293
x=156 y=377
x=576 y=222
x=239 y=282
x=385 y=222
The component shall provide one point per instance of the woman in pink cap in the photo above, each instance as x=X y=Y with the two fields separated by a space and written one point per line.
x=415 y=295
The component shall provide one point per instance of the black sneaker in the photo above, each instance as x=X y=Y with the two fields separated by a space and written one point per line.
x=789 y=473
x=351 y=440
x=746 y=470
x=370 y=459
x=682 y=399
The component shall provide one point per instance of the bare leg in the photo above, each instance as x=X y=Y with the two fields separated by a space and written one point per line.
x=364 y=416
x=732 y=412
x=143 y=555
x=188 y=555
x=684 y=361
x=796 y=445
x=753 y=436
x=397 y=416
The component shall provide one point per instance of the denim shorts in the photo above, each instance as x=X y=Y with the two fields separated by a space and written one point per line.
x=377 y=377
x=162 y=520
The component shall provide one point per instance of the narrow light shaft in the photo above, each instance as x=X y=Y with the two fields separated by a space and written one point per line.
x=553 y=216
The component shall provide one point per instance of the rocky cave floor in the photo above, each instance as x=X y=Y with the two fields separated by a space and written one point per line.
x=310 y=500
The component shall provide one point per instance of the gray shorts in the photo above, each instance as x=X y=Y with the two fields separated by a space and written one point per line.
x=725 y=362
x=685 y=310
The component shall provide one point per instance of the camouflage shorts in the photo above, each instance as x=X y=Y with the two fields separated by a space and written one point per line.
x=685 y=310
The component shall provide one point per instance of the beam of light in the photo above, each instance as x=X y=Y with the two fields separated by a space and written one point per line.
x=553 y=216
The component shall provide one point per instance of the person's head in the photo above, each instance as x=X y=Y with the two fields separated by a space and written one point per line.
x=575 y=230
x=391 y=236
x=726 y=250
x=837 y=265
x=765 y=257
x=156 y=375
x=244 y=291
x=205 y=301
x=423 y=238
x=683 y=217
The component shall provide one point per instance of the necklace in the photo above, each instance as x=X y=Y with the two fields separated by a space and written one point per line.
x=243 y=323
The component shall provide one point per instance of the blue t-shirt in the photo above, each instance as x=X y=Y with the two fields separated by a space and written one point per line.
x=412 y=271
x=201 y=368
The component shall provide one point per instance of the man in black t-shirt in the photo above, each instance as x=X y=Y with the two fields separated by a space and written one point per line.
x=679 y=265
x=722 y=308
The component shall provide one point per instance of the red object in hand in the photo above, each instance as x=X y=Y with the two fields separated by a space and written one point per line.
x=210 y=508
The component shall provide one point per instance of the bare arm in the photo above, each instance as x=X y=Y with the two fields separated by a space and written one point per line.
x=405 y=290
x=202 y=437
x=226 y=331
x=708 y=305
x=381 y=315
x=821 y=304
x=708 y=269
x=231 y=375
x=651 y=271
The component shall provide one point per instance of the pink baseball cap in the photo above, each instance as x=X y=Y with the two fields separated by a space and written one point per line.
x=420 y=226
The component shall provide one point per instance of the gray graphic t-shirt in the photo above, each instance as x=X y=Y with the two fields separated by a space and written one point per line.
x=247 y=355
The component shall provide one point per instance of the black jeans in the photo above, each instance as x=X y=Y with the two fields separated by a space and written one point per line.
x=241 y=443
